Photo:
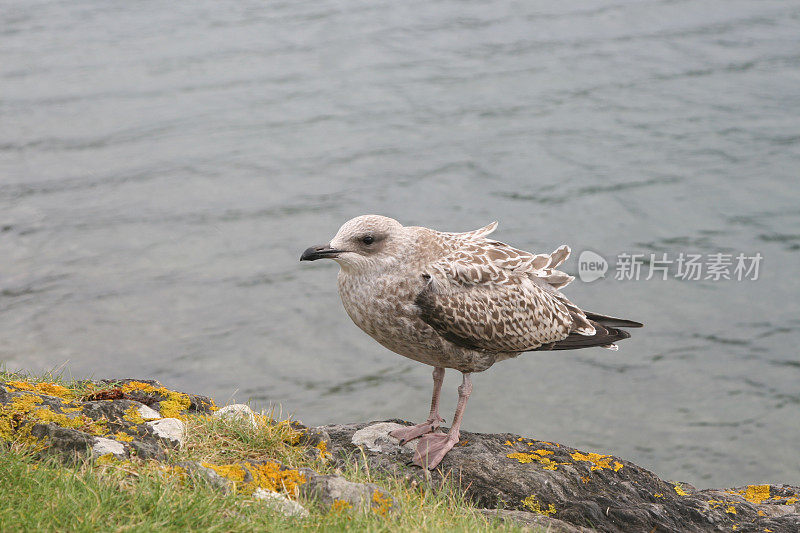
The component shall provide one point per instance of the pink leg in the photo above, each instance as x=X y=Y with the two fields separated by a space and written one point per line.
x=434 y=420
x=432 y=448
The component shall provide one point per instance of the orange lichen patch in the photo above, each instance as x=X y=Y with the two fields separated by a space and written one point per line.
x=543 y=452
x=340 y=505
x=520 y=439
x=585 y=479
x=270 y=476
x=682 y=492
x=322 y=447
x=600 y=461
x=522 y=457
x=534 y=505
x=761 y=513
x=172 y=407
x=508 y=443
x=791 y=501
x=234 y=472
x=122 y=436
x=756 y=493
x=50 y=389
x=658 y=495
x=730 y=509
x=381 y=503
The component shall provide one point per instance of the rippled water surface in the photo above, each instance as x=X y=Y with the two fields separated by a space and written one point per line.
x=162 y=166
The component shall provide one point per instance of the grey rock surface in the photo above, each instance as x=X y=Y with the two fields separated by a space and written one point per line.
x=527 y=518
x=237 y=411
x=281 y=503
x=331 y=491
x=584 y=489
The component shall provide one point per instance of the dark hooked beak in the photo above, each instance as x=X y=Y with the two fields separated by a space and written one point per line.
x=321 y=251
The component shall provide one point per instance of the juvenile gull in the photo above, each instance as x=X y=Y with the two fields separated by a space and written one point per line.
x=456 y=300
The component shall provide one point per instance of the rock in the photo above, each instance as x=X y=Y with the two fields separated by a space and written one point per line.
x=238 y=411
x=335 y=492
x=147 y=413
x=105 y=446
x=376 y=438
x=584 y=489
x=527 y=518
x=281 y=503
x=115 y=419
x=170 y=429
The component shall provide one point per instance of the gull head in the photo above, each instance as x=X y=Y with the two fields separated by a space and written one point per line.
x=365 y=243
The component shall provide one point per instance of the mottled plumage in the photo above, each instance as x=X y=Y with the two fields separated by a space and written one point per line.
x=457 y=300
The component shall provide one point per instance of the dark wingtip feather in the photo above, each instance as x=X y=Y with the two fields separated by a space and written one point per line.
x=604 y=336
x=613 y=321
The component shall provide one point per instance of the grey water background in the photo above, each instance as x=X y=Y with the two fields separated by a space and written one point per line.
x=162 y=166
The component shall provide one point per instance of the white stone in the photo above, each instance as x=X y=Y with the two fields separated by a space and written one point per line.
x=147 y=413
x=103 y=446
x=169 y=428
x=280 y=502
x=376 y=438
x=237 y=411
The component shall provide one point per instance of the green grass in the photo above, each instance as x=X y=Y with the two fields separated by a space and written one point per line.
x=42 y=494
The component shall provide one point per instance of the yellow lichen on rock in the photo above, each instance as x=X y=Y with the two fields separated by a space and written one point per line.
x=233 y=472
x=80 y=422
x=133 y=415
x=534 y=505
x=268 y=476
x=680 y=491
x=522 y=457
x=756 y=493
x=730 y=509
x=599 y=461
x=172 y=407
x=122 y=436
x=17 y=418
x=49 y=389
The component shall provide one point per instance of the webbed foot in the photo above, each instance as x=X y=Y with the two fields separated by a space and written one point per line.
x=432 y=448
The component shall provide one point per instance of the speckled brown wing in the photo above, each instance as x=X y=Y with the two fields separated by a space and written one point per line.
x=485 y=307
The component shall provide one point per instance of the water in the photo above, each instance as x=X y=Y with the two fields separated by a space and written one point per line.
x=163 y=166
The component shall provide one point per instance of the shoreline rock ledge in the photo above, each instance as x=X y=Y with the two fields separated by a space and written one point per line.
x=508 y=476
x=538 y=482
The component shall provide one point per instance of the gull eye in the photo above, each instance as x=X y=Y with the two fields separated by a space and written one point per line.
x=368 y=239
